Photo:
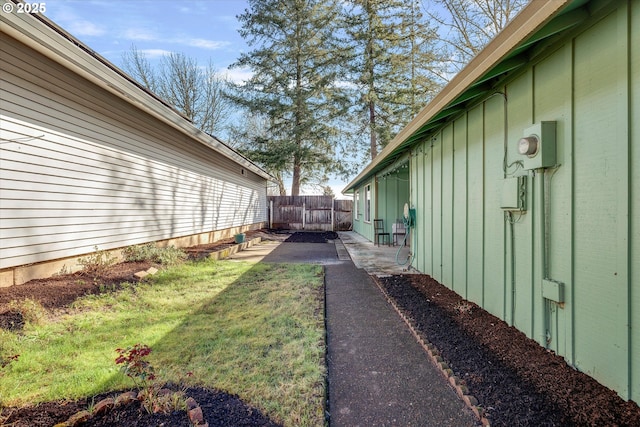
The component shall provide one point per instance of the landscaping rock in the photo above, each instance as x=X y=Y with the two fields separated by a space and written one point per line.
x=191 y=403
x=196 y=416
x=141 y=275
x=104 y=405
x=79 y=418
x=126 y=398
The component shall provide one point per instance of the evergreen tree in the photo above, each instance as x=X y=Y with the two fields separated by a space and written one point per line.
x=295 y=70
x=251 y=137
x=390 y=65
x=418 y=62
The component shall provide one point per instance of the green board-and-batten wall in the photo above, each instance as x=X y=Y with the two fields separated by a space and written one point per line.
x=393 y=193
x=360 y=224
x=589 y=84
x=389 y=193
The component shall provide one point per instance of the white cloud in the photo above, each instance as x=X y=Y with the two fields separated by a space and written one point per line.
x=345 y=84
x=205 y=44
x=155 y=53
x=337 y=191
x=139 y=34
x=85 y=28
x=238 y=75
x=77 y=26
x=192 y=7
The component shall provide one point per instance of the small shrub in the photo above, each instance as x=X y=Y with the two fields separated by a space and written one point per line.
x=97 y=263
x=138 y=253
x=170 y=255
x=150 y=252
x=63 y=271
x=32 y=311
x=152 y=396
x=135 y=365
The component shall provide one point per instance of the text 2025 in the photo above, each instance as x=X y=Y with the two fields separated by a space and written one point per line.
x=31 y=7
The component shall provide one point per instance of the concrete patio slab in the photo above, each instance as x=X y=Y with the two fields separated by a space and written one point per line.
x=376 y=260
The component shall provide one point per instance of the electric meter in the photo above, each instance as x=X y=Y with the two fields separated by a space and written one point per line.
x=528 y=146
x=538 y=144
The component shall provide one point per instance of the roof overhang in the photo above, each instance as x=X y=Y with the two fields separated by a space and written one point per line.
x=507 y=52
x=47 y=38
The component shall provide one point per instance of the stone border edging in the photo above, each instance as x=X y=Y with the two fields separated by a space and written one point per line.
x=434 y=354
x=227 y=252
x=193 y=410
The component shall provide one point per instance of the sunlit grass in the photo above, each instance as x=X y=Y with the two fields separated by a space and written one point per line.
x=256 y=330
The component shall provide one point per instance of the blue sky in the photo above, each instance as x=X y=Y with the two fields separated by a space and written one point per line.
x=203 y=29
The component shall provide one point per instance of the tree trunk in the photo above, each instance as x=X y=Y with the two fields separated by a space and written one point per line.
x=372 y=130
x=281 y=188
x=295 y=182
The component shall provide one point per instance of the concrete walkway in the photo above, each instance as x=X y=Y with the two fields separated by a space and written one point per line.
x=378 y=374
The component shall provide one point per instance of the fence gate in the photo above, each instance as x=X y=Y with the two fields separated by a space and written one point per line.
x=312 y=213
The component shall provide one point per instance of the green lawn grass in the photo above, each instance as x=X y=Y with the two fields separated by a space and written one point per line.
x=256 y=330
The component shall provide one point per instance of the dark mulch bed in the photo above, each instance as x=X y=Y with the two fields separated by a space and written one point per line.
x=61 y=290
x=312 y=237
x=218 y=409
x=516 y=381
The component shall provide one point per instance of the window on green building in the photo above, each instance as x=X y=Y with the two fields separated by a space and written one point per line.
x=356 y=205
x=367 y=203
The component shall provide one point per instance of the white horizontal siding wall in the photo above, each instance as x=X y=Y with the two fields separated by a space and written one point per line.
x=81 y=168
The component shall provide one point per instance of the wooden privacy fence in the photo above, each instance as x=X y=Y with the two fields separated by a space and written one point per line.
x=312 y=213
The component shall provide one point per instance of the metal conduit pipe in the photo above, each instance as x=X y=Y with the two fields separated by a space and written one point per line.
x=509 y=215
x=540 y=226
